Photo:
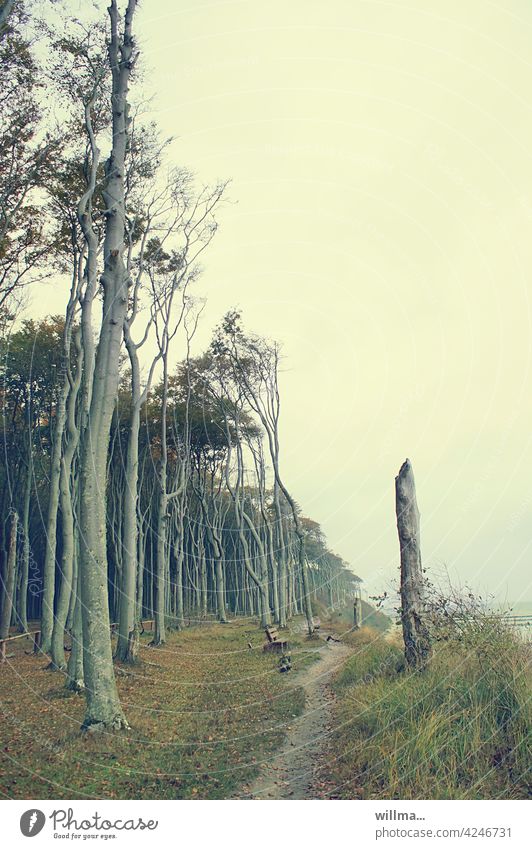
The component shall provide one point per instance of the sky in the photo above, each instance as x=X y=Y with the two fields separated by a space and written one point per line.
x=380 y=228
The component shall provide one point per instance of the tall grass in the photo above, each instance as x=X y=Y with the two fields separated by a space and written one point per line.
x=458 y=730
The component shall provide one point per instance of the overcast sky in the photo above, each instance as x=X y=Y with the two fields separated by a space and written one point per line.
x=380 y=158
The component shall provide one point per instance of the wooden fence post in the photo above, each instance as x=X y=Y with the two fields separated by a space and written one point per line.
x=357 y=612
x=415 y=632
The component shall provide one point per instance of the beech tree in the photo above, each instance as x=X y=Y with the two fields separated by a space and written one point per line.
x=255 y=364
x=103 y=705
x=28 y=156
x=137 y=480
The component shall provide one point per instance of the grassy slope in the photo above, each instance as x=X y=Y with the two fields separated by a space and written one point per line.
x=204 y=709
x=341 y=619
x=461 y=729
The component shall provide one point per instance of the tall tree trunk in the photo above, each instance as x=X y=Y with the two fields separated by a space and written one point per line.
x=9 y=578
x=68 y=587
x=159 y=636
x=281 y=558
x=204 y=598
x=300 y=534
x=103 y=706
x=67 y=568
x=47 y=614
x=261 y=577
x=22 y=612
x=128 y=632
x=220 y=588
x=415 y=633
x=141 y=557
x=75 y=680
x=179 y=551
x=237 y=495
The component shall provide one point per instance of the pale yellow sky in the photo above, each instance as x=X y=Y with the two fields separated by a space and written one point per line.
x=380 y=157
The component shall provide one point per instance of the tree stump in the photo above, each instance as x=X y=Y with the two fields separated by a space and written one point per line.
x=415 y=632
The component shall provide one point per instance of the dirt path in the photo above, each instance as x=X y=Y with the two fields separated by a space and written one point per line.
x=292 y=772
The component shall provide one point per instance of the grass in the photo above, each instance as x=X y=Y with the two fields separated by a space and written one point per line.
x=204 y=710
x=458 y=730
x=341 y=619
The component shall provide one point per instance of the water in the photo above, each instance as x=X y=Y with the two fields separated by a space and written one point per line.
x=520 y=609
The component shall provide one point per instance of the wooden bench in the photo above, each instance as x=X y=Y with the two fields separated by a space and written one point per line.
x=274 y=642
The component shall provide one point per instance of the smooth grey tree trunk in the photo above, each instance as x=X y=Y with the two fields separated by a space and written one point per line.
x=68 y=587
x=9 y=578
x=141 y=557
x=266 y=538
x=300 y=534
x=103 y=707
x=159 y=636
x=47 y=613
x=415 y=632
x=179 y=551
x=216 y=550
x=75 y=680
x=161 y=562
x=22 y=612
x=260 y=580
x=268 y=411
x=281 y=558
x=128 y=631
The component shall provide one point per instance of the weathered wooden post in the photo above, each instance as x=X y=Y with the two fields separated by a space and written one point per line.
x=415 y=632
x=357 y=611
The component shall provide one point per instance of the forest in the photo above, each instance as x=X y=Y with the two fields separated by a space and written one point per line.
x=133 y=487
x=158 y=574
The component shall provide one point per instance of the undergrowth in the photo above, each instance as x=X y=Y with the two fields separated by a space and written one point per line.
x=458 y=730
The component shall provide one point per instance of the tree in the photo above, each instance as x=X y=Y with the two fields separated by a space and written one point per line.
x=29 y=371
x=27 y=158
x=103 y=705
x=171 y=273
x=8 y=580
x=255 y=364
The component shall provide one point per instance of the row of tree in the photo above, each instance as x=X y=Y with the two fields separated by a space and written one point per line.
x=130 y=488
x=231 y=544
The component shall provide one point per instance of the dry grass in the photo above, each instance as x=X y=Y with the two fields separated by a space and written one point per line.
x=459 y=730
x=204 y=710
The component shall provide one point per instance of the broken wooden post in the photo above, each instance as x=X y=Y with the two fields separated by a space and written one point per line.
x=415 y=632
